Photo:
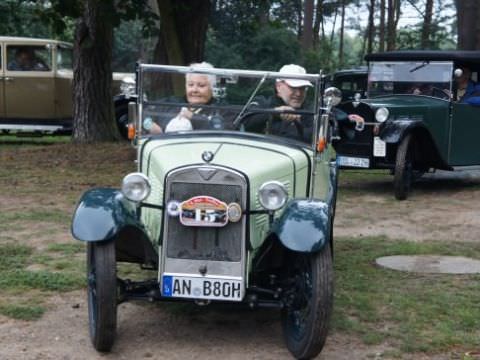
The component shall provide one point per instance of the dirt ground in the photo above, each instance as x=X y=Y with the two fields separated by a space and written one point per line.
x=442 y=207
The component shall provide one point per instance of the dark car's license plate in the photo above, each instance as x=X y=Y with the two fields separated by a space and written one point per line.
x=202 y=288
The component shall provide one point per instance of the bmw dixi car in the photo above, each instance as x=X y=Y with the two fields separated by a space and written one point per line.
x=415 y=119
x=220 y=213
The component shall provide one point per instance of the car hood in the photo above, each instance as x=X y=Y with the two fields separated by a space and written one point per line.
x=408 y=102
x=258 y=160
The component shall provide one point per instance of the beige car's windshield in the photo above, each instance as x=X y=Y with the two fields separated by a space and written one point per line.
x=198 y=100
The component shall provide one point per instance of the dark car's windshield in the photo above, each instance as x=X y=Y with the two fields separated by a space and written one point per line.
x=188 y=101
x=415 y=77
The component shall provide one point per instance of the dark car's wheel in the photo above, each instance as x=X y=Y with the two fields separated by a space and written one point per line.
x=102 y=294
x=305 y=320
x=404 y=174
x=121 y=117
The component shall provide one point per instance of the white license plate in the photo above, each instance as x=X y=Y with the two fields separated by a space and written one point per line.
x=353 y=161
x=201 y=288
x=379 y=147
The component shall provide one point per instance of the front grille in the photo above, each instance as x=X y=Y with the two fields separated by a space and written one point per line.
x=205 y=243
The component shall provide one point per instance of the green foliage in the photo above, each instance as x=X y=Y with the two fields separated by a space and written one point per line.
x=19 y=18
x=22 y=312
x=128 y=46
x=268 y=49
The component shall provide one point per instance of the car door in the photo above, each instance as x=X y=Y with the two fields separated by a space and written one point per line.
x=464 y=135
x=29 y=86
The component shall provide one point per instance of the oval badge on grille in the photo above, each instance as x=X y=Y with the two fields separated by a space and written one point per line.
x=203 y=211
x=207 y=156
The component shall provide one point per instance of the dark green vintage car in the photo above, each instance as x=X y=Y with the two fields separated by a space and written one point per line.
x=414 y=122
x=219 y=213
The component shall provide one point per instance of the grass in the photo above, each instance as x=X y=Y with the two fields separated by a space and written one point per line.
x=43 y=178
x=415 y=312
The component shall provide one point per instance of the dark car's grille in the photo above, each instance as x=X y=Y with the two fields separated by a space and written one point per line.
x=204 y=243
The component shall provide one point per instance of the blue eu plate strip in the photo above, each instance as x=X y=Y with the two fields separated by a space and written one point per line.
x=167 y=285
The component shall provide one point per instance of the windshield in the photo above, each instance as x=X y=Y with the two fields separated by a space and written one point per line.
x=416 y=77
x=64 y=58
x=178 y=99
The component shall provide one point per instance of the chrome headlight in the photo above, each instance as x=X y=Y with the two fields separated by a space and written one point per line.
x=381 y=115
x=136 y=187
x=272 y=195
x=127 y=87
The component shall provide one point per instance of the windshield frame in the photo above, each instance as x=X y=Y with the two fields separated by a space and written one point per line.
x=315 y=79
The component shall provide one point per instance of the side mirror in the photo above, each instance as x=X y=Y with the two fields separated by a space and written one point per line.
x=458 y=72
x=332 y=96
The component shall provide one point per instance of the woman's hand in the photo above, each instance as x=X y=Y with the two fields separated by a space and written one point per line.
x=184 y=112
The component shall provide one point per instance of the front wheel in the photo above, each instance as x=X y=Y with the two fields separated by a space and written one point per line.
x=102 y=294
x=403 y=176
x=306 y=318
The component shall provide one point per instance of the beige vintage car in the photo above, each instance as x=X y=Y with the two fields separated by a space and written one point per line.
x=36 y=86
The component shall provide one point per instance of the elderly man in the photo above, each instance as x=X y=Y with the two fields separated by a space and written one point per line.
x=290 y=95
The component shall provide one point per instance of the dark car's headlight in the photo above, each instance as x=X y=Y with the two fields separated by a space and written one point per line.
x=272 y=195
x=381 y=115
x=136 y=187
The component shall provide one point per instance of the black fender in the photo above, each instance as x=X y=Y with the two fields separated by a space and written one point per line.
x=426 y=151
x=393 y=132
x=304 y=226
x=106 y=215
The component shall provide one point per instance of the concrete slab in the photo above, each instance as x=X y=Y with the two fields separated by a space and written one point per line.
x=430 y=264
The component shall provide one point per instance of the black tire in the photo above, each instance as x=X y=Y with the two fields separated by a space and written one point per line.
x=305 y=321
x=121 y=117
x=102 y=294
x=403 y=176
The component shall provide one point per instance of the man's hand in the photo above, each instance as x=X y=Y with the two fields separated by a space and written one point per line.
x=288 y=117
x=358 y=120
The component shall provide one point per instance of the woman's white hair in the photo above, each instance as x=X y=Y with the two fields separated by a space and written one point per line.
x=212 y=79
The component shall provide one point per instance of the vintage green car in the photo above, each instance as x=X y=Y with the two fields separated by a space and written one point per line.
x=416 y=120
x=220 y=213
x=38 y=72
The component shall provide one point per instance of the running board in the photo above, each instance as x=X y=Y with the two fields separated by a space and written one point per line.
x=29 y=128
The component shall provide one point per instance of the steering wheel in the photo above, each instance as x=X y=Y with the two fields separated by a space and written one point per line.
x=440 y=93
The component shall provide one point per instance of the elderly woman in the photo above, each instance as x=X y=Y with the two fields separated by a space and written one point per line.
x=198 y=91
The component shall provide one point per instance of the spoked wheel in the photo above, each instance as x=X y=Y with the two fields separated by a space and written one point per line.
x=102 y=294
x=404 y=174
x=305 y=320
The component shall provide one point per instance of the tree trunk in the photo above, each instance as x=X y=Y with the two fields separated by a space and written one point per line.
x=342 y=26
x=317 y=24
x=381 y=40
x=391 y=29
x=427 y=25
x=307 y=34
x=371 y=27
x=183 y=30
x=468 y=12
x=93 y=114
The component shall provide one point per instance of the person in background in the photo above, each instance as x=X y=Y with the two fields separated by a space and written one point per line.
x=468 y=91
x=25 y=60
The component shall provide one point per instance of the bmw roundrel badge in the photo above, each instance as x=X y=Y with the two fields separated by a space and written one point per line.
x=207 y=156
